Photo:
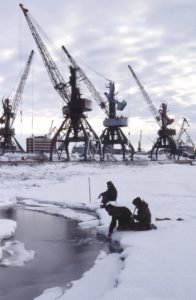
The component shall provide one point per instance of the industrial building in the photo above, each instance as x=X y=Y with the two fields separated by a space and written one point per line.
x=37 y=144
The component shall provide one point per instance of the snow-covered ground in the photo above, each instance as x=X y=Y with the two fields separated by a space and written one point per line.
x=157 y=264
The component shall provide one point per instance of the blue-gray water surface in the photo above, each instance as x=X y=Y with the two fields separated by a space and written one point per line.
x=63 y=253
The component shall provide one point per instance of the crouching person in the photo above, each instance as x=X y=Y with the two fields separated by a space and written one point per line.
x=143 y=216
x=109 y=195
x=121 y=218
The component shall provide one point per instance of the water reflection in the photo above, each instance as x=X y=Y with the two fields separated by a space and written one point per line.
x=9 y=213
x=63 y=252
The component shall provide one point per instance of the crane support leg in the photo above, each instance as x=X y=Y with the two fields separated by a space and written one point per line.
x=74 y=130
x=115 y=136
x=164 y=142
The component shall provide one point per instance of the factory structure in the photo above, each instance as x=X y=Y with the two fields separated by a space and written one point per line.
x=37 y=144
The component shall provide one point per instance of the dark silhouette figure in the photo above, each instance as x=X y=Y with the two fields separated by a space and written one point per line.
x=143 y=216
x=109 y=195
x=121 y=218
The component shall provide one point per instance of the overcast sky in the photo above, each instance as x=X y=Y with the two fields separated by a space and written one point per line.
x=156 y=37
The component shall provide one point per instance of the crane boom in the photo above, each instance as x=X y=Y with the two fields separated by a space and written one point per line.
x=75 y=127
x=89 y=85
x=182 y=130
x=189 y=139
x=18 y=96
x=152 y=108
x=54 y=74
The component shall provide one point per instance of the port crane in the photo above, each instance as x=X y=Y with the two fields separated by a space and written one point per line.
x=112 y=134
x=183 y=130
x=165 y=138
x=52 y=130
x=8 y=141
x=75 y=127
x=189 y=139
x=139 y=148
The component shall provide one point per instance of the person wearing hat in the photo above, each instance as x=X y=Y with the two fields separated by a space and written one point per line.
x=143 y=216
x=109 y=195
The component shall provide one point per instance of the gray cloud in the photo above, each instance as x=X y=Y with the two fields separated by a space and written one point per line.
x=156 y=38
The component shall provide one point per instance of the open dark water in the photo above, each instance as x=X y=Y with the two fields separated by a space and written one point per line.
x=63 y=253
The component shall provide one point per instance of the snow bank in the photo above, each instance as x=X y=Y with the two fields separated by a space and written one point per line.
x=16 y=254
x=7 y=230
x=94 y=283
x=157 y=264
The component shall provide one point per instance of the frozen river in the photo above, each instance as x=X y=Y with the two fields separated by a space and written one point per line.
x=63 y=252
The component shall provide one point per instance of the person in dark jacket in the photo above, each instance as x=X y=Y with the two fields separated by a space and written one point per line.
x=143 y=216
x=109 y=195
x=121 y=218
